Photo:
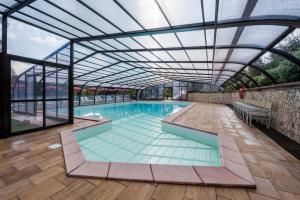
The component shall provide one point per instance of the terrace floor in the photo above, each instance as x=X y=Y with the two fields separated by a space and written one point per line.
x=29 y=170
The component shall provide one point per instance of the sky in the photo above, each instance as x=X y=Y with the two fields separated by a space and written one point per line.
x=28 y=41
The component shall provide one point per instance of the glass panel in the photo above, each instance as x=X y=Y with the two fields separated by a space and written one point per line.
x=56 y=112
x=209 y=10
x=176 y=93
x=187 y=66
x=34 y=13
x=225 y=36
x=182 y=12
x=104 y=58
x=26 y=85
x=232 y=66
x=82 y=50
x=184 y=93
x=220 y=54
x=103 y=45
x=51 y=83
x=163 y=55
x=260 y=35
x=243 y=55
x=130 y=43
x=231 y=9
x=148 y=55
x=93 y=46
x=197 y=55
x=8 y=3
x=87 y=15
x=192 y=38
x=277 y=7
x=63 y=16
x=167 y=40
x=2 y=8
x=58 y=32
x=137 y=56
x=146 y=41
x=26 y=115
x=179 y=55
x=210 y=36
x=227 y=73
x=27 y=95
x=114 y=13
x=115 y=43
x=146 y=12
x=203 y=65
x=26 y=81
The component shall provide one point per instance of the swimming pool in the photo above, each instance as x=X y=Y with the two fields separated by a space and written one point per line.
x=138 y=135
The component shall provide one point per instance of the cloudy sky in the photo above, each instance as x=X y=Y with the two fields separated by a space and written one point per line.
x=25 y=40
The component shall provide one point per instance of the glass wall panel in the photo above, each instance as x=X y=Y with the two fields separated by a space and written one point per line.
x=31 y=93
x=111 y=95
x=26 y=89
x=56 y=112
x=26 y=115
x=160 y=91
x=184 y=93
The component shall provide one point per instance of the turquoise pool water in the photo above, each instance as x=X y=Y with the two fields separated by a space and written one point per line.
x=138 y=135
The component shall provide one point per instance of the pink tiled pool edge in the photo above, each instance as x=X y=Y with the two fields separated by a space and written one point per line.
x=233 y=173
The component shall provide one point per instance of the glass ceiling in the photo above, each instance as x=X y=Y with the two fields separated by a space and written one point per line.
x=139 y=43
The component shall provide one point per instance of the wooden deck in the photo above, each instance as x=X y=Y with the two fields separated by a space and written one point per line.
x=29 y=170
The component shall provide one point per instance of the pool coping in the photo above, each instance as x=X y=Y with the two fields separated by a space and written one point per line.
x=232 y=173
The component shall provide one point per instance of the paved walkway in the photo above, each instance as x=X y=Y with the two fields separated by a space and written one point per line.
x=29 y=170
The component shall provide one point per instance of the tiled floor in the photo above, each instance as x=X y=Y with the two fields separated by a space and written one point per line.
x=29 y=170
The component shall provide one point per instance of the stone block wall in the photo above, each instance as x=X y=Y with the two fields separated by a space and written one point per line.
x=285 y=101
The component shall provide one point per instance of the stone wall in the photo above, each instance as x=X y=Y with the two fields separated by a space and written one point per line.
x=285 y=101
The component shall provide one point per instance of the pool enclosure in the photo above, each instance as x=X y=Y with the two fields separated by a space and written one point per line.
x=122 y=50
